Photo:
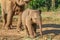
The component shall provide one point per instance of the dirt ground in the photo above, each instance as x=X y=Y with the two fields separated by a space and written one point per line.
x=50 y=27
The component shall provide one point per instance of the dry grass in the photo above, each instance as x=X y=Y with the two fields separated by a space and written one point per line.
x=51 y=29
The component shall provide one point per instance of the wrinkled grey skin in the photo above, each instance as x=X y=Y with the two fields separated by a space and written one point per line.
x=8 y=7
x=29 y=17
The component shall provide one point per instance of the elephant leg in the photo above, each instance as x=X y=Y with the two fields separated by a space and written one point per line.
x=26 y=30
x=4 y=18
x=30 y=28
x=19 y=23
x=9 y=14
x=3 y=9
x=9 y=21
x=24 y=25
x=39 y=22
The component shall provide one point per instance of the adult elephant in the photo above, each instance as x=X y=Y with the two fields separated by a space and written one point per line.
x=21 y=4
x=29 y=17
x=8 y=10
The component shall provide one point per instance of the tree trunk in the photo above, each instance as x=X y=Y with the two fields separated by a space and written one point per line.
x=53 y=3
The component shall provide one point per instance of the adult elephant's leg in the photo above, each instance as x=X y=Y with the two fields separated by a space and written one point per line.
x=4 y=18
x=19 y=23
x=3 y=13
x=9 y=14
x=9 y=21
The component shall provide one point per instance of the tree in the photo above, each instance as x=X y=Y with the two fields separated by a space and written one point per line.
x=53 y=3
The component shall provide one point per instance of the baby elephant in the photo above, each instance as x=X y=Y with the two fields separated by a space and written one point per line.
x=29 y=17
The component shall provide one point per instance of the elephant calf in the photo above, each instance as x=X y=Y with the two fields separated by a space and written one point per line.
x=29 y=17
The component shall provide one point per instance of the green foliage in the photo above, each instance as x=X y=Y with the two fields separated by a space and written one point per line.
x=36 y=4
x=44 y=5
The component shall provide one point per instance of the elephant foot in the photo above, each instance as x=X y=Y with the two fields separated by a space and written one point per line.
x=26 y=33
x=35 y=34
x=41 y=34
x=6 y=27
x=18 y=30
x=32 y=36
x=27 y=36
x=3 y=26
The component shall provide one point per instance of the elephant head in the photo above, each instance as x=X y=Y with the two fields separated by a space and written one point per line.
x=36 y=18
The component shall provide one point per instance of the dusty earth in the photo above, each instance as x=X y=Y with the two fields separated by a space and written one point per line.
x=50 y=27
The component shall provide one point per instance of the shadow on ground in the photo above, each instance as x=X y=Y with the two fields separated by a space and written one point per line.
x=51 y=31
x=51 y=25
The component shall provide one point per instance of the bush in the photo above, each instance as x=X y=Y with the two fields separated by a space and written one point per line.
x=44 y=5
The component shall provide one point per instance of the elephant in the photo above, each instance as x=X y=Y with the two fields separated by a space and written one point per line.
x=8 y=10
x=22 y=7
x=30 y=16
